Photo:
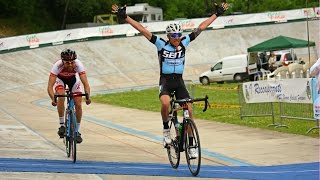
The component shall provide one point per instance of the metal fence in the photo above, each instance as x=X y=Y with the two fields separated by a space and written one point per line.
x=300 y=111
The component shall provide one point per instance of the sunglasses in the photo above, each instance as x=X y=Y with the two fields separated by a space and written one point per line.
x=68 y=62
x=175 y=35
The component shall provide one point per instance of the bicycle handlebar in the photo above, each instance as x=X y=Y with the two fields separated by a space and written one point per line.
x=191 y=100
x=70 y=95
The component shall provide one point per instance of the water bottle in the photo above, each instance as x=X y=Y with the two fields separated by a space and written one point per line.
x=179 y=128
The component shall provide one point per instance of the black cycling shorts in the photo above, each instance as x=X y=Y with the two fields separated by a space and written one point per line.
x=70 y=81
x=171 y=83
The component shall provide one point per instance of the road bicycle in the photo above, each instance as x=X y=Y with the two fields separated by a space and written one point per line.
x=185 y=135
x=70 y=123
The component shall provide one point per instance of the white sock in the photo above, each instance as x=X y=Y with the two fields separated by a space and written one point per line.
x=61 y=121
x=78 y=126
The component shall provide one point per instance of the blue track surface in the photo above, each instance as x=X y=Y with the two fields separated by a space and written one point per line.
x=305 y=171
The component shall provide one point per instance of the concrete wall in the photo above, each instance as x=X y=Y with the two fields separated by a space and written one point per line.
x=132 y=61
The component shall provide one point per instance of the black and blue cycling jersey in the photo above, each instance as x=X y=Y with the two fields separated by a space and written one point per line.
x=171 y=59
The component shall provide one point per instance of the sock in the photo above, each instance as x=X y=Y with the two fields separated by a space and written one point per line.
x=190 y=141
x=61 y=121
x=165 y=125
x=78 y=126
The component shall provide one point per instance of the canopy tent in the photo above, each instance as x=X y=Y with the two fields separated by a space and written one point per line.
x=280 y=43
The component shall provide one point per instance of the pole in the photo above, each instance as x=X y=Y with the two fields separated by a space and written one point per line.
x=65 y=15
x=308 y=32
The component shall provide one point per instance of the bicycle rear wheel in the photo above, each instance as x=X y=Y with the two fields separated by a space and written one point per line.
x=73 y=136
x=173 y=148
x=192 y=133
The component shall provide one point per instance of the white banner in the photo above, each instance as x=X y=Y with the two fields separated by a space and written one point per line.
x=287 y=90
x=58 y=37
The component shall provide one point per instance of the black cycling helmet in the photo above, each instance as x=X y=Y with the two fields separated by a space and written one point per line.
x=68 y=55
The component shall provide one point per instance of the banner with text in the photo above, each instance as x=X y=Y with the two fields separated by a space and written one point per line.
x=59 y=37
x=287 y=90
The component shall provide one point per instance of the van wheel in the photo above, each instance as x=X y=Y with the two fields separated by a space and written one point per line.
x=238 y=77
x=205 y=81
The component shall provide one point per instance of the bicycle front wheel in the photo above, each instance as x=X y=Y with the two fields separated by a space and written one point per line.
x=173 y=148
x=73 y=136
x=66 y=139
x=192 y=143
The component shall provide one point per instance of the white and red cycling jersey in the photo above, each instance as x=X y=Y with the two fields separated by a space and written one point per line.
x=59 y=70
x=66 y=75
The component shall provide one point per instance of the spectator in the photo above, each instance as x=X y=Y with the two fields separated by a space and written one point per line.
x=272 y=61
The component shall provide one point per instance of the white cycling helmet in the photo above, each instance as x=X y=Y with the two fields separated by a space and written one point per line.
x=173 y=28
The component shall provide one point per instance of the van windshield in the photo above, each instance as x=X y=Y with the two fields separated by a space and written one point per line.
x=217 y=66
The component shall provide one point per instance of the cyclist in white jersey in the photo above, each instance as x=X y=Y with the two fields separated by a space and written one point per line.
x=68 y=71
x=171 y=54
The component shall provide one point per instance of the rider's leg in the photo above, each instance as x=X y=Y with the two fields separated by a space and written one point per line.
x=78 y=107
x=165 y=104
x=189 y=129
x=77 y=89
x=60 y=108
x=59 y=90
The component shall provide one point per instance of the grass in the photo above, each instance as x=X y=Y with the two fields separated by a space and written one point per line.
x=225 y=108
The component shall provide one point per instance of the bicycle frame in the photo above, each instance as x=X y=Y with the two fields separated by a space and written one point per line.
x=71 y=119
x=70 y=109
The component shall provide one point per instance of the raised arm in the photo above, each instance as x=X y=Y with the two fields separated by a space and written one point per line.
x=121 y=13
x=219 y=11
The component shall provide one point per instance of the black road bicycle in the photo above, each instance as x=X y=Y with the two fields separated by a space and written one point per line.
x=70 y=135
x=185 y=135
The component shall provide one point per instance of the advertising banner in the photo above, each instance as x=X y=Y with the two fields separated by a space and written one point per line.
x=285 y=90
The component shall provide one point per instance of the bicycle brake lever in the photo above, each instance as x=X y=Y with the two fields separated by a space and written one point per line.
x=206 y=104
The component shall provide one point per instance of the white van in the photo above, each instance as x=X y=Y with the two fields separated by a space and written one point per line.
x=231 y=68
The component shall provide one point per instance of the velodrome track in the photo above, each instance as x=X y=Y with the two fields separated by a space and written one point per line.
x=121 y=143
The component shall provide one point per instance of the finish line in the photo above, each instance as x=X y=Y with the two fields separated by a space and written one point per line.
x=303 y=171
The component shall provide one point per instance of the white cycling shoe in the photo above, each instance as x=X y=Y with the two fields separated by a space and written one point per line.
x=193 y=153
x=166 y=136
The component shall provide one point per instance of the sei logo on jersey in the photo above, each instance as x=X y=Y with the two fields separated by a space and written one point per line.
x=172 y=55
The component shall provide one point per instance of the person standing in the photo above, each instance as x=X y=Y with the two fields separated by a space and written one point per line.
x=272 y=61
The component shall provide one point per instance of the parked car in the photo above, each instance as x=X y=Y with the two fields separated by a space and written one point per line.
x=231 y=68
x=285 y=57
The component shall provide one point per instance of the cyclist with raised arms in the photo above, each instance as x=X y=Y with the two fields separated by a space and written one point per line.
x=68 y=71
x=171 y=55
